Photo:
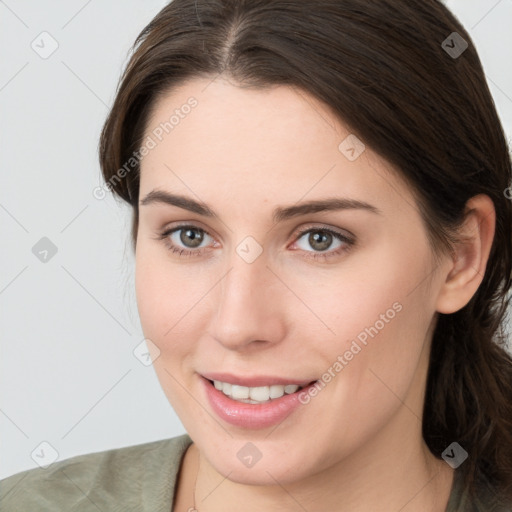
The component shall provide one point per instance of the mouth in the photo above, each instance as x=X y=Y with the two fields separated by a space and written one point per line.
x=254 y=407
x=256 y=394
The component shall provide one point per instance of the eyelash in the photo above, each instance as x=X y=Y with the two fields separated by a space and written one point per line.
x=186 y=253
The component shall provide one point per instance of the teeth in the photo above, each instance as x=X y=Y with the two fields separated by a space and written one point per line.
x=238 y=392
x=254 y=395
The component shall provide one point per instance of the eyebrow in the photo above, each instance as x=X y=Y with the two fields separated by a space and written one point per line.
x=278 y=215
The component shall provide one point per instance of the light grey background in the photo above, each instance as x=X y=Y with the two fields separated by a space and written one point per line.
x=68 y=375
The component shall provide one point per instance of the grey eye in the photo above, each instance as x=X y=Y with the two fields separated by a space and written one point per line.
x=319 y=240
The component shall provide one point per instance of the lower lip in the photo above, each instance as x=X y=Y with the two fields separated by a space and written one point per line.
x=252 y=416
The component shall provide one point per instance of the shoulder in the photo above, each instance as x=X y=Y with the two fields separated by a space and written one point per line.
x=139 y=477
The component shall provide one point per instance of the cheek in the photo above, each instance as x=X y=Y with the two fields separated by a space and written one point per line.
x=164 y=300
x=170 y=302
x=368 y=288
x=161 y=296
x=150 y=283
x=380 y=310
x=380 y=328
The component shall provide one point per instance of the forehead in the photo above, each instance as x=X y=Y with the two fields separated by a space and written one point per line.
x=278 y=143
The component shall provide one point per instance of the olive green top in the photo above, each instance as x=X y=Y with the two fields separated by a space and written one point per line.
x=138 y=478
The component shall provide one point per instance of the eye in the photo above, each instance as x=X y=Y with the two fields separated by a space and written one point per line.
x=185 y=240
x=321 y=239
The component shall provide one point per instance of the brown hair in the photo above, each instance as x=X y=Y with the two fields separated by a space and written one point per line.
x=385 y=68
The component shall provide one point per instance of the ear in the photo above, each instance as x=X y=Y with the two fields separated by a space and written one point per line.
x=466 y=269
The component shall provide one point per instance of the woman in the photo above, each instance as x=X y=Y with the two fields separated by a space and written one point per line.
x=322 y=230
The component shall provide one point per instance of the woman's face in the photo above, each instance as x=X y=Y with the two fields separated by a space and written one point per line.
x=246 y=284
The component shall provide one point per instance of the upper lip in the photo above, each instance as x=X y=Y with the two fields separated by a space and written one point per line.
x=255 y=380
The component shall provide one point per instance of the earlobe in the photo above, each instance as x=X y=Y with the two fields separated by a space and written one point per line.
x=465 y=272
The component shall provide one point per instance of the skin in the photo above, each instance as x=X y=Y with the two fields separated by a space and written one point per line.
x=357 y=445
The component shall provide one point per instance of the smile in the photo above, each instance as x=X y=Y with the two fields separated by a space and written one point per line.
x=253 y=407
x=255 y=395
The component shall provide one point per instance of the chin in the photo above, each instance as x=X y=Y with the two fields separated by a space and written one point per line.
x=270 y=464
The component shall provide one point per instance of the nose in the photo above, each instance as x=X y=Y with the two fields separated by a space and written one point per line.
x=249 y=310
